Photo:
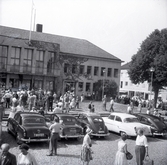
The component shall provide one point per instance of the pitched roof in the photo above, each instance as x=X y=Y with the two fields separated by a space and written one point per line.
x=125 y=66
x=67 y=44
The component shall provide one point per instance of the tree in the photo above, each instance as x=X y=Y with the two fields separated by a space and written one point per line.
x=152 y=53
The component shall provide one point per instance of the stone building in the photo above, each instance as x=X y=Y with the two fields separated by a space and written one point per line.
x=51 y=62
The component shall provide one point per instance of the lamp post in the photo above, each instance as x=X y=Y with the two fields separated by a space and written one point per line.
x=152 y=71
x=103 y=83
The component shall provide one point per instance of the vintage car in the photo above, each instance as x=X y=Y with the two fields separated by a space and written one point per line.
x=158 y=127
x=95 y=122
x=28 y=127
x=70 y=126
x=125 y=123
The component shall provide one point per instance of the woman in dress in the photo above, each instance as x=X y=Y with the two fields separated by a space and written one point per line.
x=141 y=148
x=25 y=157
x=120 y=158
x=86 y=152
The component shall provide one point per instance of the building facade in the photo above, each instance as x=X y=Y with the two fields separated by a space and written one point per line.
x=53 y=62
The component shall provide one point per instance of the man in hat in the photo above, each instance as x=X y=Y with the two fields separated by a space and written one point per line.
x=6 y=158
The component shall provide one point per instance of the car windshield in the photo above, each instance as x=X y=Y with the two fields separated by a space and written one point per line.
x=131 y=120
x=34 y=121
x=67 y=120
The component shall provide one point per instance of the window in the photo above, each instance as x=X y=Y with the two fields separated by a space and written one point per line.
x=116 y=73
x=80 y=86
x=118 y=119
x=126 y=83
x=51 y=61
x=89 y=69
x=103 y=71
x=87 y=87
x=66 y=66
x=111 y=117
x=74 y=69
x=121 y=84
x=81 y=69
x=39 y=61
x=15 y=58
x=3 y=56
x=27 y=64
x=96 y=71
x=109 y=73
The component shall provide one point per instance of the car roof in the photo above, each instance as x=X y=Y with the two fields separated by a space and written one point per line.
x=27 y=114
x=122 y=115
x=60 y=114
x=147 y=115
x=90 y=114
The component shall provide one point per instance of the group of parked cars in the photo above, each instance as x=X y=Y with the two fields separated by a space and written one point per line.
x=33 y=127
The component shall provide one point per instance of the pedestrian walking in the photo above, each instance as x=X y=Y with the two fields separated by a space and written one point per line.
x=129 y=109
x=141 y=149
x=104 y=101
x=86 y=151
x=6 y=158
x=111 y=104
x=25 y=157
x=50 y=100
x=120 y=158
x=55 y=130
x=90 y=106
x=139 y=106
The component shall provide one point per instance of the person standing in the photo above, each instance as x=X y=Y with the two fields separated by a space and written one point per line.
x=25 y=157
x=50 y=101
x=120 y=158
x=104 y=101
x=86 y=152
x=6 y=158
x=55 y=130
x=129 y=109
x=111 y=104
x=139 y=106
x=141 y=149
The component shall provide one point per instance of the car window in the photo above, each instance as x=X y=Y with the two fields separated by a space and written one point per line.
x=131 y=120
x=97 y=119
x=118 y=119
x=34 y=121
x=111 y=117
x=144 y=120
x=68 y=120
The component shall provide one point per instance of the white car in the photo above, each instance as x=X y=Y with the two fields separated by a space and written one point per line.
x=125 y=123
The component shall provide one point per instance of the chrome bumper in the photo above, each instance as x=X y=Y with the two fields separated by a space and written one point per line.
x=98 y=134
x=34 y=140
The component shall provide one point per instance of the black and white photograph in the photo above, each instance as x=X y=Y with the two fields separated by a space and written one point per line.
x=83 y=82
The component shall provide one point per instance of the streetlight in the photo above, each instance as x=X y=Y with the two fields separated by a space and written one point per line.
x=152 y=71
x=103 y=83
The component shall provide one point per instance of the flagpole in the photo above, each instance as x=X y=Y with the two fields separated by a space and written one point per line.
x=31 y=21
x=34 y=19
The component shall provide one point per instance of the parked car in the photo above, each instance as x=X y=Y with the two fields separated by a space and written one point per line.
x=95 y=122
x=164 y=106
x=158 y=127
x=28 y=127
x=125 y=123
x=70 y=126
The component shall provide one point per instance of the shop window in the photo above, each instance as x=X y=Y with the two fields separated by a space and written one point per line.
x=39 y=61
x=103 y=71
x=66 y=66
x=116 y=73
x=38 y=84
x=3 y=56
x=74 y=69
x=109 y=72
x=81 y=69
x=121 y=84
x=27 y=65
x=96 y=71
x=89 y=69
x=126 y=83
x=51 y=61
x=80 y=86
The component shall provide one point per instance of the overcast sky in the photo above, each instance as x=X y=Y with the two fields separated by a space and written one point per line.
x=117 y=26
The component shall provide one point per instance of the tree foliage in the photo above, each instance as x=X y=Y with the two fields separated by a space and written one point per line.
x=152 y=53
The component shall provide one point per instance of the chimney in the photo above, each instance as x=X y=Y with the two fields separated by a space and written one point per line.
x=39 y=27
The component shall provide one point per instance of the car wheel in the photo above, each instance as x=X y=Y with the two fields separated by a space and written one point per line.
x=122 y=132
x=165 y=134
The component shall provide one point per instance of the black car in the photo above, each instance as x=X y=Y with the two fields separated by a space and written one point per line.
x=95 y=122
x=157 y=125
x=28 y=127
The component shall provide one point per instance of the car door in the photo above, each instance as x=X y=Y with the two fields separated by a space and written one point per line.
x=109 y=122
x=118 y=124
x=12 y=125
x=82 y=118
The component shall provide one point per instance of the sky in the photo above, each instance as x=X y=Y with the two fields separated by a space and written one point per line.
x=116 y=26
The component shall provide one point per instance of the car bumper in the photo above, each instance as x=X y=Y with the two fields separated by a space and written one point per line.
x=34 y=140
x=100 y=135
x=160 y=134
x=71 y=136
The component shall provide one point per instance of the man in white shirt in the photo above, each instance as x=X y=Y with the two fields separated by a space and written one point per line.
x=55 y=130
x=111 y=104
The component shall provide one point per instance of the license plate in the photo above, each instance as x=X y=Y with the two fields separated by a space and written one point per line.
x=39 y=135
x=101 y=131
x=73 y=131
